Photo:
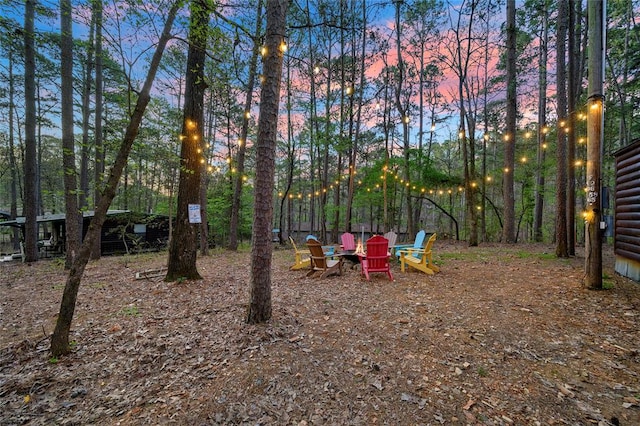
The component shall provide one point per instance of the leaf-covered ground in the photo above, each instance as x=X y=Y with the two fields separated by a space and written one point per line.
x=502 y=335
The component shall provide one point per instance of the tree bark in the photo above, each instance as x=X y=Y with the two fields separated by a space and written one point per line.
x=242 y=148
x=60 y=336
x=96 y=250
x=183 y=250
x=404 y=116
x=542 y=130
x=259 y=310
x=12 y=153
x=353 y=159
x=30 y=162
x=572 y=69
x=508 y=231
x=73 y=222
x=86 y=114
x=561 y=152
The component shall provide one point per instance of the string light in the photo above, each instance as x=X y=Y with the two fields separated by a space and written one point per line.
x=544 y=130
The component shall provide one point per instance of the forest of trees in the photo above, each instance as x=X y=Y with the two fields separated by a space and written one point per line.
x=399 y=115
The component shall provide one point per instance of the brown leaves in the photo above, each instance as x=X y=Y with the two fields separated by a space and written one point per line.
x=491 y=339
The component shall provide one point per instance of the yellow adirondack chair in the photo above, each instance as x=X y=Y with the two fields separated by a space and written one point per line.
x=303 y=257
x=420 y=259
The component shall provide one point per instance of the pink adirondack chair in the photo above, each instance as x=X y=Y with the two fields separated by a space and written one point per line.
x=377 y=257
x=348 y=242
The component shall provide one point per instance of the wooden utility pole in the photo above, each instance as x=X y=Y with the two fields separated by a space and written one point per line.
x=593 y=216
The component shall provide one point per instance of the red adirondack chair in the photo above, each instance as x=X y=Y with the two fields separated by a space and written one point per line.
x=348 y=242
x=377 y=257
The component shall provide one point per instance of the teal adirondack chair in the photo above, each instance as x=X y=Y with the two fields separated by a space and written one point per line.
x=418 y=243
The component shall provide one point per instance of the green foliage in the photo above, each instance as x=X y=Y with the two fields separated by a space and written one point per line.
x=219 y=209
x=608 y=283
x=321 y=127
x=130 y=311
x=482 y=372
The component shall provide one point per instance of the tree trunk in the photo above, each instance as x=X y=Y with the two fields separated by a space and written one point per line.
x=96 y=250
x=183 y=250
x=30 y=167
x=561 y=153
x=404 y=116
x=242 y=148
x=86 y=114
x=353 y=160
x=73 y=222
x=60 y=336
x=573 y=48
x=12 y=153
x=508 y=231
x=259 y=310
x=542 y=130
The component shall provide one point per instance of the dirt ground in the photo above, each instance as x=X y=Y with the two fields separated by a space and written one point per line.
x=502 y=335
